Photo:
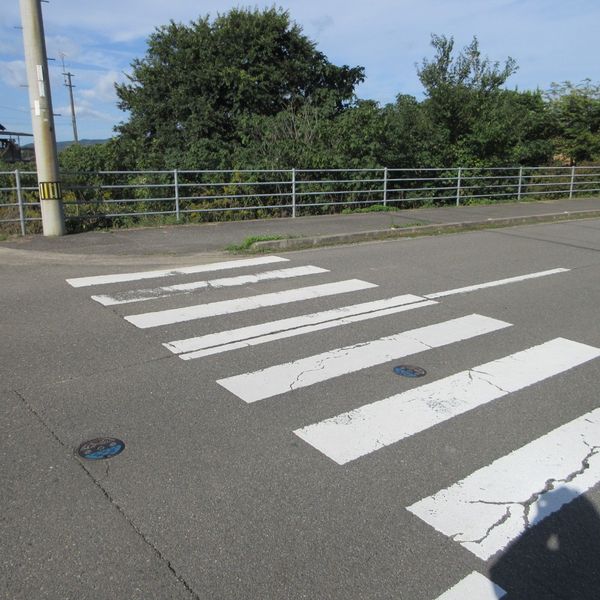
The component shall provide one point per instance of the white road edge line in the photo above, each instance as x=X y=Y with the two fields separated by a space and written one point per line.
x=241 y=334
x=183 y=288
x=489 y=284
x=474 y=587
x=225 y=307
x=353 y=434
x=217 y=266
x=493 y=506
x=275 y=380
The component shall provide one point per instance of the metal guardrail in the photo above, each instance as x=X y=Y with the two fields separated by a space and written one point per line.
x=118 y=197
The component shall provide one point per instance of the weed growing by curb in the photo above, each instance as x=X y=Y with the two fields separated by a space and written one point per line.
x=370 y=209
x=246 y=245
x=409 y=224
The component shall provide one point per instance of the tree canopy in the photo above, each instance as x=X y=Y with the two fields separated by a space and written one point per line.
x=575 y=120
x=248 y=89
x=198 y=83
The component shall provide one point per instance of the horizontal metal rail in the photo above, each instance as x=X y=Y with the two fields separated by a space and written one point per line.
x=114 y=195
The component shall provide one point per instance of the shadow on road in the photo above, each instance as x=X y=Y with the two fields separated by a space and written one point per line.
x=558 y=558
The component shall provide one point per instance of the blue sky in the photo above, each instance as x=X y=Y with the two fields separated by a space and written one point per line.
x=551 y=40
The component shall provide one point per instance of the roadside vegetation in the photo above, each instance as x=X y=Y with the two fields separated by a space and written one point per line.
x=248 y=242
x=248 y=90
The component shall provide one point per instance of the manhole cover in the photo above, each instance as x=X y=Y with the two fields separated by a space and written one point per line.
x=101 y=448
x=409 y=371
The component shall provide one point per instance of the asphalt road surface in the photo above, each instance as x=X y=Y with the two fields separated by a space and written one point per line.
x=275 y=447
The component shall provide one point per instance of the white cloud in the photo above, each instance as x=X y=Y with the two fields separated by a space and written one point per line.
x=104 y=89
x=13 y=73
x=84 y=110
x=321 y=23
x=58 y=45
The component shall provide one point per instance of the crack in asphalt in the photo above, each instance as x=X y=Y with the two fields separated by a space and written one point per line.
x=528 y=504
x=342 y=352
x=320 y=367
x=108 y=496
x=482 y=377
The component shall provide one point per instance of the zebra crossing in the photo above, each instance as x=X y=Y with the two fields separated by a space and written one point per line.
x=496 y=504
x=364 y=430
x=485 y=511
x=279 y=379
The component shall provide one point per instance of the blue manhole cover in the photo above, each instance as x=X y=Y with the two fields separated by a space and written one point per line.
x=409 y=371
x=101 y=448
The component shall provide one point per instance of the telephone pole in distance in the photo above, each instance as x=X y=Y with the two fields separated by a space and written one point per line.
x=69 y=85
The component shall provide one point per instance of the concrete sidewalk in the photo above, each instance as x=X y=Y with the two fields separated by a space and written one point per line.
x=304 y=231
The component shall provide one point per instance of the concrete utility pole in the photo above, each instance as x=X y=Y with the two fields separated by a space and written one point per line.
x=42 y=117
x=70 y=86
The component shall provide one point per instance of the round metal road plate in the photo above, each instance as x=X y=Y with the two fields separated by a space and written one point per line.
x=409 y=371
x=101 y=448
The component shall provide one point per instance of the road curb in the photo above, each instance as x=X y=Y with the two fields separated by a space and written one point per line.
x=301 y=243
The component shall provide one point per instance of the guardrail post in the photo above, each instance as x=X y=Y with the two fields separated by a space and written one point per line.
x=20 y=201
x=176 y=187
x=293 y=193
x=458 y=178
x=572 y=185
x=520 y=184
x=385 y=186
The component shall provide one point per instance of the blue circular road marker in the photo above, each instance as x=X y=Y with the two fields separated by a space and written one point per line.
x=409 y=371
x=101 y=448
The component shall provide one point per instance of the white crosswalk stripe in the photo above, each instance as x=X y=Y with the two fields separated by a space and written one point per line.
x=493 y=506
x=213 y=343
x=474 y=587
x=351 y=435
x=259 y=385
x=225 y=307
x=217 y=266
x=183 y=288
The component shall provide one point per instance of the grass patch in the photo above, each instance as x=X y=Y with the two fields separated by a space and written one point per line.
x=370 y=209
x=408 y=224
x=246 y=244
x=3 y=237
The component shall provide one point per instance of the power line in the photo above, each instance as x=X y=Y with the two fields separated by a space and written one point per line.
x=22 y=110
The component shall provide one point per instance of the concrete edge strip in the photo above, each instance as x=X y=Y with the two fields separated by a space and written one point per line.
x=430 y=229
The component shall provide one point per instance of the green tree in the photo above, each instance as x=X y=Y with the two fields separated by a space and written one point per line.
x=297 y=136
x=460 y=91
x=78 y=158
x=411 y=139
x=513 y=129
x=575 y=114
x=199 y=82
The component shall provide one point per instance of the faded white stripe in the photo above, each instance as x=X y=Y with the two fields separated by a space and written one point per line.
x=474 y=587
x=351 y=435
x=183 y=288
x=302 y=330
x=481 y=286
x=278 y=379
x=493 y=506
x=224 y=307
x=217 y=266
x=254 y=331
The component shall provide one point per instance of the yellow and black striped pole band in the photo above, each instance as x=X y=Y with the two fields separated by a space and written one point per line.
x=50 y=190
